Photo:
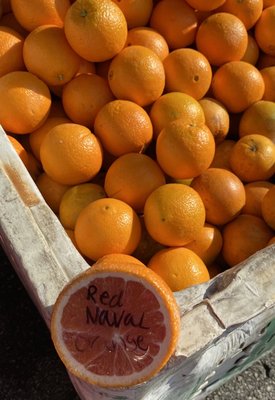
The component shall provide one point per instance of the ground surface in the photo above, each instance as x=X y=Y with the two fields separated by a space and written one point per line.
x=31 y=370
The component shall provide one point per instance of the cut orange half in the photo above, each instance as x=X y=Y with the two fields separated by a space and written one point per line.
x=116 y=325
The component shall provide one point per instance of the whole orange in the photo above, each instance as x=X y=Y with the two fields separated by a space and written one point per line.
x=132 y=177
x=222 y=193
x=137 y=74
x=237 y=84
x=25 y=102
x=71 y=154
x=253 y=158
x=107 y=226
x=243 y=236
x=222 y=37
x=265 y=31
x=174 y=214
x=185 y=150
x=96 y=30
x=188 y=71
x=179 y=267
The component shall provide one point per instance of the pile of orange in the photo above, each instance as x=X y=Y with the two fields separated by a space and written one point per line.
x=148 y=126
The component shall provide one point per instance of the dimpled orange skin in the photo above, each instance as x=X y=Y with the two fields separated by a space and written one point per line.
x=137 y=74
x=174 y=214
x=222 y=193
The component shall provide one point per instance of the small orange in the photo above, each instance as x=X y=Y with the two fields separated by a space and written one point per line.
x=132 y=177
x=179 y=267
x=207 y=244
x=265 y=31
x=202 y=5
x=107 y=226
x=71 y=154
x=11 y=51
x=48 y=55
x=249 y=11
x=222 y=154
x=96 y=30
x=216 y=118
x=254 y=194
x=51 y=190
x=174 y=214
x=222 y=37
x=252 y=51
x=176 y=21
x=75 y=199
x=188 y=71
x=25 y=102
x=222 y=193
x=243 y=236
x=258 y=119
x=148 y=37
x=115 y=310
x=84 y=96
x=137 y=74
x=185 y=150
x=20 y=150
x=31 y=14
x=268 y=75
x=268 y=209
x=172 y=106
x=237 y=84
x=123 y=127
x=36 y=137
x=253 y=158
x=136 y=12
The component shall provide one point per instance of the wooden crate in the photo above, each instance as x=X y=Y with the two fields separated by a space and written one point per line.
x=226 y=324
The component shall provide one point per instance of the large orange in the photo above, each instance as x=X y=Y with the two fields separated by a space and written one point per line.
x=254 y=194
x=174 y=105
x=174 y=214
x=216 y=118
x=179 y=267
x=115 y=313
x=249 y=11
x=71 y=154
x=84 y=96
x=268 y=75
x=207 y=244
x=185 y=150
x=136 y=12
x=243 y=236
x=148 y=37
x=11 y=51
x=107 y=226
x=222 y=37
x=237 y=84
x=123 y=127
x=265 y=31
x=253 y=158
x=258 y=119
x=48 y=55
x=34 y=13
x=96 y=30
x=132 y=178
x=36 y=137
x=268 y=209
x=137 y=74
x=188 y=71
x=25 y=102
x=222 y=193
x=176 y=21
